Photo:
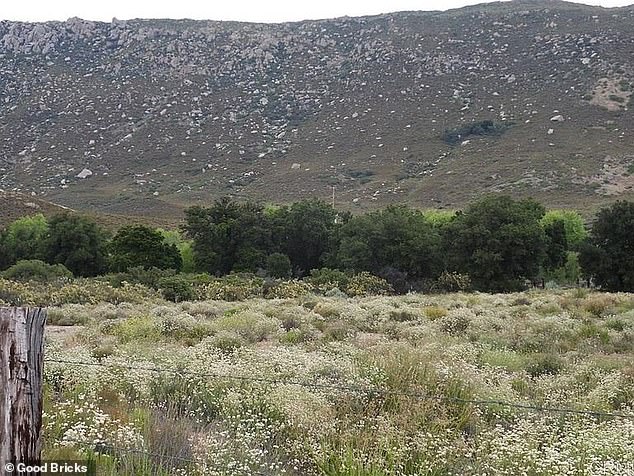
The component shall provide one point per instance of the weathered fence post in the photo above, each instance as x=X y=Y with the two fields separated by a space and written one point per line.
x=21 y=361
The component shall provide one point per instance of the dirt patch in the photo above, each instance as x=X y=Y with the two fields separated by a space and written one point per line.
x=612 y=93
x=616 y=176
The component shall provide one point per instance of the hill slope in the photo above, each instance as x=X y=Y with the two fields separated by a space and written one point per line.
x=143 y=117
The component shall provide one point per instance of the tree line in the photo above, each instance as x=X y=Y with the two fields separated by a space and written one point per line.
x=495 y=244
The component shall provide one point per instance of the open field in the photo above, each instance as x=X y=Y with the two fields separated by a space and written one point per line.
x=345 y=386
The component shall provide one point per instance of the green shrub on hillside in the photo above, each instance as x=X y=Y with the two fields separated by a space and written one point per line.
x=482 y=128
x=36 y=270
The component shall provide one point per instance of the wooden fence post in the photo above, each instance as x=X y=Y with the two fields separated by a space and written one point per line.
x=21 y=361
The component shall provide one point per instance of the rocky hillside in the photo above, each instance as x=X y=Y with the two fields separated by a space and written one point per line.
x=145 y=116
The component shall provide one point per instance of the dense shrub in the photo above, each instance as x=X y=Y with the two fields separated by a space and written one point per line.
x=36 y=270
x=544 y=364
x=366 y=284
x=278 y=265
x=149 y=277
x=325 y=279
x=452 y=282
x=18 y=294
x=250 y=325
x=68 y=315
x=176 y=289
x=232 y=288
x=93 y=291
x=287 y=289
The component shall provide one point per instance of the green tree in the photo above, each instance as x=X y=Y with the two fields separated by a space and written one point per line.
x=229 y=236
x=397 y=237
x=185 y=247
x=306 y=233
x=607 y=256
x=77 y=242
x=24 y=239
x=498 y=242
x=556 y=244
x=574 y=226
x=140 y=245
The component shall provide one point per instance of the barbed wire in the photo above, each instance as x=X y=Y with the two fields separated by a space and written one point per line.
x=354 y=389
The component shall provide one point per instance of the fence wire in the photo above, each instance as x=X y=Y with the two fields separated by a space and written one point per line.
x=355 y=389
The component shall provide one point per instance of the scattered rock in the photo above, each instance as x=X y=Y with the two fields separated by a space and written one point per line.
x=84 y=174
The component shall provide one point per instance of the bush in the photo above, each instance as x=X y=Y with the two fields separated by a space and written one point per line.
x=287 y=290
x=366 y=284
x=183 y=327
x=403 y=315
x=69 y=315
x=278 y=265
x=232 y=288
x=149 y=277
x=139 y=328
x=17 y=294
x=455 y=324
x=337 y=331
x=544 y=364
x=397 y=279
x=250 y=325
x=598 y=304
x=226 y=341
x=435 y=312
x=452 y=282
x=92 y=292
x=176 y=289
x=36 y=270
x=325 y=279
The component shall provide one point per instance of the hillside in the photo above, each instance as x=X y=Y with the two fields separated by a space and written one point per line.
x=144 y=117
x=14 y=205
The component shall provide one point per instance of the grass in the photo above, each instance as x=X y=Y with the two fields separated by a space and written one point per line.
x=427 y=354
